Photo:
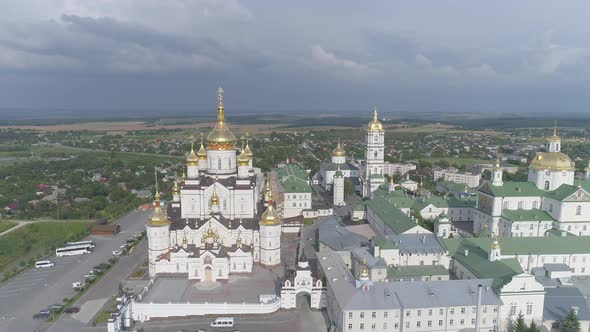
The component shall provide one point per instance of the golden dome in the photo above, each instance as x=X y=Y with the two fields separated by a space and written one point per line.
x=192 y=159
x=175 y=189
x=248 y=152
x=202 y=153
x=270 y=217
x=159 y=217
x=221 y=138
x=365 y=271
x=214 y=198
x=553 y=161
x=375 y=125
x=243 y=158
x=338 y=151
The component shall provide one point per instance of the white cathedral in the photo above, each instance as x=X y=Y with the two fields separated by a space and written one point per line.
x=550 y=203
x=216 y=223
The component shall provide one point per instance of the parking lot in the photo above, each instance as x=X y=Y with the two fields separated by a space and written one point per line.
x=35 y=289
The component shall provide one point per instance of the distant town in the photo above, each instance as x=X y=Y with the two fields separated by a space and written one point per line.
x=441 y=227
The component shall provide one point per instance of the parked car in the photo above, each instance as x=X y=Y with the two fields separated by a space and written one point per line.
x=55 y=307
x=41 y=315
x=77 y=285
x=72 y=310
x=117 y=253
x=90 y=276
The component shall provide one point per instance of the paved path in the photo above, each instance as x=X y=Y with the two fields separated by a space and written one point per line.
x=35 y=289
x=92 y=301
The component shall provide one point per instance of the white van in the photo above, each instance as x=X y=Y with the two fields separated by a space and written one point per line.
x=223 y=322
x=39 y=264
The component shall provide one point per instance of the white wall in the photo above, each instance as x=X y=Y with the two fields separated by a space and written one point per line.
x=147 y=311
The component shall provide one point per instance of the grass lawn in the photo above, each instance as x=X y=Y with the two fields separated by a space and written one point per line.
x=6 y=225
x=308 y=221
x=33 y=239
x=124 y=156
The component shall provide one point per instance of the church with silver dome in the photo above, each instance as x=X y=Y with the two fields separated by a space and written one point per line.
x=551 y=203
x=218 y=222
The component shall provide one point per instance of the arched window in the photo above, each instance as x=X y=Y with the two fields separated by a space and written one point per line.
x=229 y=162
x=520 y=204
x=535 y=205
x=546 y=185
x=375 y=154
x=578 y=210
x=506 y=205
x=218 y=163
x=375 y=138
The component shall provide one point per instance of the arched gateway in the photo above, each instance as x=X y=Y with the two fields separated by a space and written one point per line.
x=303 y=282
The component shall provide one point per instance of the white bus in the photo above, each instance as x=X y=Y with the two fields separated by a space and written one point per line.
x=73 y=250
x=90 y=244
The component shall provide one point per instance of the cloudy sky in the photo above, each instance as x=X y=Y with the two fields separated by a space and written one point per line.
x=404 y=56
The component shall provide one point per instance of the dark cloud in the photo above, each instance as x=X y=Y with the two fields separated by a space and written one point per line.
x=281 y=56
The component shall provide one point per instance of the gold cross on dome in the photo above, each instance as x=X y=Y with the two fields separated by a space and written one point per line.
x=220 y=95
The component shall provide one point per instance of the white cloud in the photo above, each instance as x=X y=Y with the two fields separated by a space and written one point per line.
x=319 y=54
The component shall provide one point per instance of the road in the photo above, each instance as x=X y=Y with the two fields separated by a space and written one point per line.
x=303 y=319
x=33 y=290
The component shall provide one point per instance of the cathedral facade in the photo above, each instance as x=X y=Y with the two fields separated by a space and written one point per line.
x=217 y=223
x=550 y=203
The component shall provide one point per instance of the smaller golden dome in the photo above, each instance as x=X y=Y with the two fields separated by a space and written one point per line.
x=375 y=125
x=248 y=152
x=192 y=159
x=175 y=189
x=495 y=244
x=338 y=151
x=243 y=159
x=202 y=153
x=159 y=217
x=214 y=198
x=365 y=271
x=553 y=161
x=270 y=217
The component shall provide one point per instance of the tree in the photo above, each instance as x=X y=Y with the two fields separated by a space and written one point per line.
x=519 y=325
x=571 y=323
x=533 y=327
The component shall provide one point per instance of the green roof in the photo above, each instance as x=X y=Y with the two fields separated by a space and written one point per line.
x=293 y=179
x=478 y=263
x=526 y=215
x=453 y=187
x=416 y=271
x=384 y=243
x=533 y=245
x=558 y=232
x=376 y=176
x=583 y=183
x=400 y=199
x=512 y=189
x=393 y=217
x=562 y=192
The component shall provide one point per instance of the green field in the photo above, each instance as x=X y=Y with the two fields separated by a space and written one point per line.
x=6 y=225
x=40 y=238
